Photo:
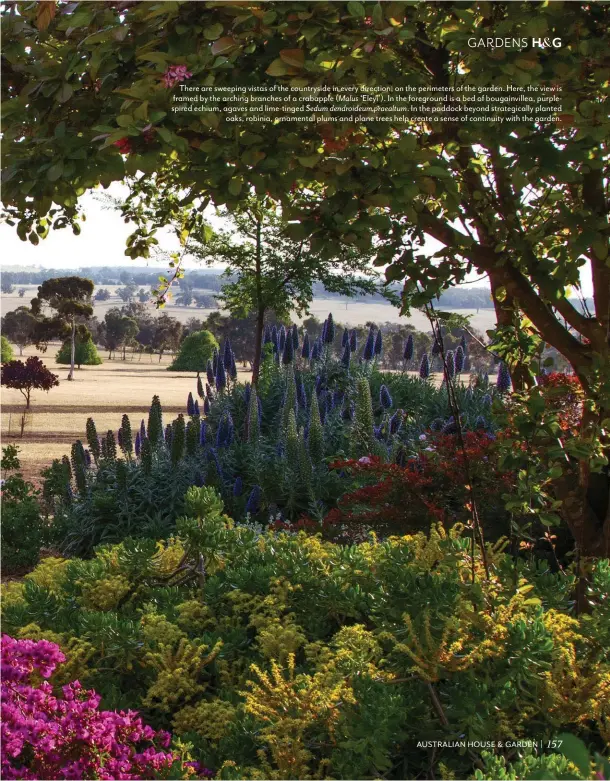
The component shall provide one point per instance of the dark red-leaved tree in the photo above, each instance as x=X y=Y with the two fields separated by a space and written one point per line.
x=28 y=376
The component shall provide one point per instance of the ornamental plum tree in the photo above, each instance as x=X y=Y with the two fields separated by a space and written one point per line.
x=28 y=376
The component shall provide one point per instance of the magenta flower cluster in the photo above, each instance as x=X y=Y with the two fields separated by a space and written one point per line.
x=45 y=736
x=175 y=74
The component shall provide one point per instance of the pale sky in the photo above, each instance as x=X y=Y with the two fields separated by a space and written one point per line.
x=102 y=243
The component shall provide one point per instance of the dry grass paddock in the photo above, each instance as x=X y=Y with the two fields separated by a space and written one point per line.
x=102 y=392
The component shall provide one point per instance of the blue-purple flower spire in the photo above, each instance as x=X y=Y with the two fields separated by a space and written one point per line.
x=378 y=343
x=288 y=352
x=347 y=354
x=504 y=381
x=369 y=347
x=254 y=500
x=221 y=377
x=450 y=364
x=210 y=372
x=227 y=355
x=424 y=367
x=306 y=348
x=329 y=335
x=459 y=359
x=385 y=399
x=409 y=348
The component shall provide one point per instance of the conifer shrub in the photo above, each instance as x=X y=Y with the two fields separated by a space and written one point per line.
x=260 y=648
x=195 y=351
x=85 y=353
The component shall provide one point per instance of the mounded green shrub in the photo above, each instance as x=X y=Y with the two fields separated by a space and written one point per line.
x=7 y=350
x=279 y=655
x=85 y=353
x=195 y=351
x=24 y=529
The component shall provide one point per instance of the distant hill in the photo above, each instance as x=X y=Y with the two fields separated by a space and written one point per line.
x=457 y=298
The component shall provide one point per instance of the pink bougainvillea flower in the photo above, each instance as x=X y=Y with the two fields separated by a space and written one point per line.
x=51 y=736
x=175 y=74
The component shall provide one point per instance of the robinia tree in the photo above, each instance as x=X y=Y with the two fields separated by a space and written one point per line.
x=269 y=270
x=88 y=93
x=28 y=376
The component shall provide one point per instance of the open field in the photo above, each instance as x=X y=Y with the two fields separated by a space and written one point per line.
x=103 y=392
x=351 y=312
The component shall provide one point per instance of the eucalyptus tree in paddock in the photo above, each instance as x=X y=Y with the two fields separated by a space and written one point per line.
x=19 y=326
x=70 y=298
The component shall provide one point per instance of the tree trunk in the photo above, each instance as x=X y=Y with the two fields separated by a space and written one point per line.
x=72 y=349
x=258 y=345
x=505 y=311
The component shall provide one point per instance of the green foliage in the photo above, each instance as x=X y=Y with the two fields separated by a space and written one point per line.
x=7 y=350
x=126 y=438
x=363 y=417
x=155 y=421
x=245 y=642
x=195 y=351
x=24 y=528
x=93 y=440
x=85 y=353
x=315 y=439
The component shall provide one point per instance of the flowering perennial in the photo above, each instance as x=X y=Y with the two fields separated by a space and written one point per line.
x=49 y=736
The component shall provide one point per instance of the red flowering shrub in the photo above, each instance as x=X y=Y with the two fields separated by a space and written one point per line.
x=431 y=487
x=564 y=393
